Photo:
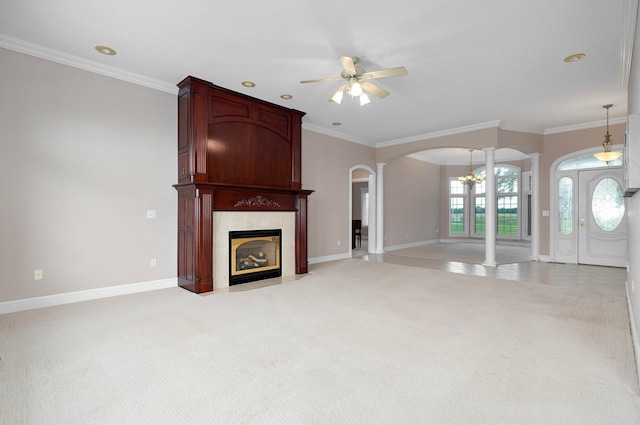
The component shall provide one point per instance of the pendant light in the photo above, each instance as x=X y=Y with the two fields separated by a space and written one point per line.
x=470 y=179
x=608 y=155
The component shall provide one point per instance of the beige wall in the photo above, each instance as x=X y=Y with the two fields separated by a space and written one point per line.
x=526 y=143
x=411 y=207
x=83 y=159
x=326 y=162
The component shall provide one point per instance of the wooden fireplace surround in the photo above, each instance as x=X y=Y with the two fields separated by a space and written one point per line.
x=235 y=153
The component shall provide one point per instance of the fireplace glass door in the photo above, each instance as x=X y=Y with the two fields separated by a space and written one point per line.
x=254 y=255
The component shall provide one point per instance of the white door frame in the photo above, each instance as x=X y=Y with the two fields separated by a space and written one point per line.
x=371 y=237
x=553 y=201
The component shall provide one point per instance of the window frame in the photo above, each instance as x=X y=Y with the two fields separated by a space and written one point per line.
x=471 y=197
x=465 y=210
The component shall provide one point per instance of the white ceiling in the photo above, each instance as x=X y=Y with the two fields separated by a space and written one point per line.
x=470 y=63
x=460 y=156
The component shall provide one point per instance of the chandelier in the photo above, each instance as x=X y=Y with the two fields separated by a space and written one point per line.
x=470 y=179
x=608 y=155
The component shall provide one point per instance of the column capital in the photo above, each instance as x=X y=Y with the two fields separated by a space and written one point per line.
x=534 y=156
x=489 y=149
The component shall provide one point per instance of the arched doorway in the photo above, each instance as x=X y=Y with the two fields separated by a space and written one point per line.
x=362 y=201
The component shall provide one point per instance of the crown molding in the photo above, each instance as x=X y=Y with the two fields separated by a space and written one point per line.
x=57 y=56
x=443 y=133
x=585 y=126
x=522 y=130
x=337 y=135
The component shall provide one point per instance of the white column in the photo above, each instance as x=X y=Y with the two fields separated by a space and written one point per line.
x=535 y=205
x=380 y=210
x=490 y=208
x=373 y=206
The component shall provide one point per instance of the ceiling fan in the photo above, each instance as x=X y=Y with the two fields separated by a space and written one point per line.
x=357 y=80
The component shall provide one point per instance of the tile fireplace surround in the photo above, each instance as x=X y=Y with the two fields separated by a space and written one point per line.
x=226 y=221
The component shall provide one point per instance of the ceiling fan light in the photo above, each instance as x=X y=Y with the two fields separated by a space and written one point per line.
x=356 y=89
x=337 y=97
x=364 y=99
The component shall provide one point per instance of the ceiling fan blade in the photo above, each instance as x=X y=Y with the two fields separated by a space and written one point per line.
x=373 y=89
x=321 y=80
x=385 y=73
x=348 y=65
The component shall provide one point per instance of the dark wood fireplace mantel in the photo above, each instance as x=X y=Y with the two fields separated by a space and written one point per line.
x=235 y=153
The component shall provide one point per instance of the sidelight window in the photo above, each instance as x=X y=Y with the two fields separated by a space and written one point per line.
x=457 y=213
x=565 y=206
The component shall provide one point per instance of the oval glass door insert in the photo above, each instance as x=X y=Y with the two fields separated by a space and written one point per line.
x=607 y=204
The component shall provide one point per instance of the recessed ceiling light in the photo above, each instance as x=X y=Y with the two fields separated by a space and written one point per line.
x=248 y=84
x=286 y=96
x=336 y=123
x=105 y=50
x=575 y=58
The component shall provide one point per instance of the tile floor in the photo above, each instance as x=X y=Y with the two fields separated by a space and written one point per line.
x=525 y=270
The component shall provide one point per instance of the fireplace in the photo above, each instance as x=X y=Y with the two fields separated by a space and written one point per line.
x=254 y=255
x=239 y=168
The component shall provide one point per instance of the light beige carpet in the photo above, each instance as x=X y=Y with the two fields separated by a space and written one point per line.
x=353 y=342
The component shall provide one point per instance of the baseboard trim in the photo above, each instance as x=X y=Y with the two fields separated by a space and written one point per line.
x=410 y=245
x=544 y=258
x=326 y=258
x=86 y=295
x=634 y=332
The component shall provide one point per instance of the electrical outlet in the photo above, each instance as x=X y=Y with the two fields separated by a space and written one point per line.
x=151 y=214
x=153 y=262
x=37 y=274
x=339 y=242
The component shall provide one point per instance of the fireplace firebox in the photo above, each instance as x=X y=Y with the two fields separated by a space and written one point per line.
x=254 y=255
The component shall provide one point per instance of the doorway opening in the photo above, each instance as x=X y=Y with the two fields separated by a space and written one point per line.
x=362 y=210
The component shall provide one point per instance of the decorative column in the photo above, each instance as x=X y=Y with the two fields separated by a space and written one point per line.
x=490 y=208
x=535 y=205
x=373 y=206
x=380 y=210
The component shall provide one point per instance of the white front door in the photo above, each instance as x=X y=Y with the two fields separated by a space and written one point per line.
x=602 y=223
